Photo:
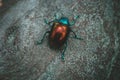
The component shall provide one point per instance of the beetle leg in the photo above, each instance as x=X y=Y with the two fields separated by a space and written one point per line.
x=63 y=52
x=48 y=23
x=74 y=21
x=56 y=16
x=41 y=41
x=75 y=36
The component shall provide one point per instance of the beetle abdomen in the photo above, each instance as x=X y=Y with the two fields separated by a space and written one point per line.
x=58 y=35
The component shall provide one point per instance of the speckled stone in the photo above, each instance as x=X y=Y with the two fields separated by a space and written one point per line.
x=96 y=57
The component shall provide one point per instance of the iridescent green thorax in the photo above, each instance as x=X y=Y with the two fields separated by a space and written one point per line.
x=64 y=21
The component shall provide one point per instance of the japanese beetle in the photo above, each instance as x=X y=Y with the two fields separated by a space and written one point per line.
x=59 y=33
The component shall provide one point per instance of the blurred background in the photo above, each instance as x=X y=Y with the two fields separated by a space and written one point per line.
x=97 y=57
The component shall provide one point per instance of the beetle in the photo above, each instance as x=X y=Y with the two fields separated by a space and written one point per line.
x=59 y=34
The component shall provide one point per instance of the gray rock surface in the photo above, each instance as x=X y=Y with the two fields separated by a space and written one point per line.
x=94 y=58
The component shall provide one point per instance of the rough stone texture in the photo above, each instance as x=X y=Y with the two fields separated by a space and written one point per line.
x=94 y=58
